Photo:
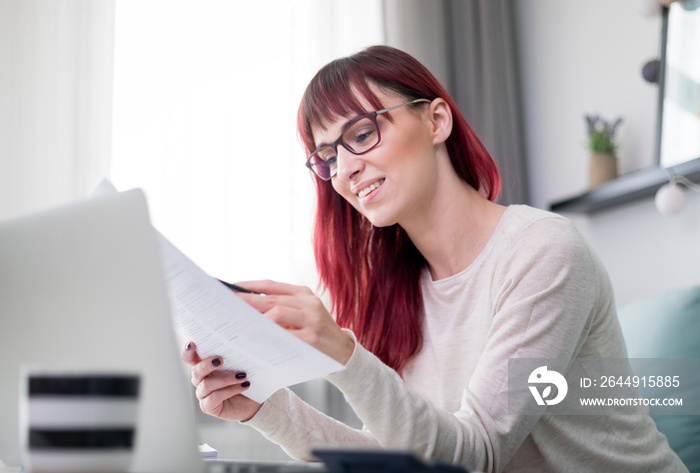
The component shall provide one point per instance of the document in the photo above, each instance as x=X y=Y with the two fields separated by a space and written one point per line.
x=221 y=323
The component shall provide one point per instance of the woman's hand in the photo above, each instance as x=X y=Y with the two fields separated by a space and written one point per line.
x=219 y=392
x=299 y=311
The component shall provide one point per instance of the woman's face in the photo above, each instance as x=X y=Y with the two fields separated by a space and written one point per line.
x=395 y=181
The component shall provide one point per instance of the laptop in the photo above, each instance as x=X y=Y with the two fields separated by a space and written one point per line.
x=81 y=286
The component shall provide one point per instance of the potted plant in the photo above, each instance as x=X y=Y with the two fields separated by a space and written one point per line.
x=603 y=148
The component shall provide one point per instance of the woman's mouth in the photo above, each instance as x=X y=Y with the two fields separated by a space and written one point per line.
x=369 y=189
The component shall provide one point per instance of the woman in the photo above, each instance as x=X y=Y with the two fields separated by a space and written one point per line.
x=435 y=287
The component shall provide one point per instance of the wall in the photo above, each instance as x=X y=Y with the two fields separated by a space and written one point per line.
x=578 y=58
x=55 y=101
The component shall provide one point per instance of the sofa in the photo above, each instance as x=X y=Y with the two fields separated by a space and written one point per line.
x=667 y=325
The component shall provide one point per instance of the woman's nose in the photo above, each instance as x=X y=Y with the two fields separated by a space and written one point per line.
x=348 y=164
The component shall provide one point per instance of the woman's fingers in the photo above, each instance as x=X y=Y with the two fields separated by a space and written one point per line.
x=265 y=303
x=307 y=319
x=214 y=402
x=204 y=368
x=288 y=317
x=273 y=287
x=189 y=354
x=222 y=380
x=298 y=310
x=220 y=395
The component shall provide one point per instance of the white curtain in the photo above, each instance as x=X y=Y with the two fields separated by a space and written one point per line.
x=206 y=95
x=55 y=101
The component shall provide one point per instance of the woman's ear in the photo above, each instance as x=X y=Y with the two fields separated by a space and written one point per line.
x=440 y=120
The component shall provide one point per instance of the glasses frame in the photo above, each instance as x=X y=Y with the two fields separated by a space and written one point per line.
x=373 y=117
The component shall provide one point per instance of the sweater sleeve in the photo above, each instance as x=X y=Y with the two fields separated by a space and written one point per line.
x=543 y=298
x=297 y=427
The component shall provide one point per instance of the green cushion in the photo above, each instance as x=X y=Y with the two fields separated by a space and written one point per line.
x=667 y=325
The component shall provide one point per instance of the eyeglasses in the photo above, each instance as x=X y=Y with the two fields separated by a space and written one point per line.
x=358 y=137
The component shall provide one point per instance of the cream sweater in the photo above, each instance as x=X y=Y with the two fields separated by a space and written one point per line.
x=535 y=291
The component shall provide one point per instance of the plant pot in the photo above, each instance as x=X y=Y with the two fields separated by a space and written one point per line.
x=603 y=168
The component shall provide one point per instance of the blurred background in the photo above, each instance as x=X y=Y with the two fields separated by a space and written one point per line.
x=195 y=102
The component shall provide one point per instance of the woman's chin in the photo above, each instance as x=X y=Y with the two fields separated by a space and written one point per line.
x=380 y=221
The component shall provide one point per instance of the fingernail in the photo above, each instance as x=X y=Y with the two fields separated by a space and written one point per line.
x=240 y=375
x=216 y=362
x=246 y=384
x=188 y=346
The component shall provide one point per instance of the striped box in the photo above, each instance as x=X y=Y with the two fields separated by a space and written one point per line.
x=78 y=422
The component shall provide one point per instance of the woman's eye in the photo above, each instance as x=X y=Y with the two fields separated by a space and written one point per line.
x=361 y=136
x=327 y=154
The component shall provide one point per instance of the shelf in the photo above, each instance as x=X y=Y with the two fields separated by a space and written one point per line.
x=627 y=188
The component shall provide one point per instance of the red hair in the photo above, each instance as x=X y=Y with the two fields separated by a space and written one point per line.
x=373 y=274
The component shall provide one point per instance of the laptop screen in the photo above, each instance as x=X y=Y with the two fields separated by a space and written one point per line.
x=81 y=286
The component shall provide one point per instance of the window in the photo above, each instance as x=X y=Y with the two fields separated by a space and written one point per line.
x=205 y=100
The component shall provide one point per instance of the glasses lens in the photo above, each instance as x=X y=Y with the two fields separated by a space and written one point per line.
x=361 y=136
x=323 y=162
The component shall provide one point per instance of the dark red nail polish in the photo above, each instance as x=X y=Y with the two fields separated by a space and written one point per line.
x=246 y=384
x=216 y=362
x=240 y=375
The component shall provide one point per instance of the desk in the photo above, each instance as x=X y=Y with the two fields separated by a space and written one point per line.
x=235 y=466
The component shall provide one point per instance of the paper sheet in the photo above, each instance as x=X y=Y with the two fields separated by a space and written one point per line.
x=220 y=323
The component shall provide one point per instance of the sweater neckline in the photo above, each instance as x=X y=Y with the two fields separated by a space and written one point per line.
x=464 y=274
